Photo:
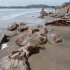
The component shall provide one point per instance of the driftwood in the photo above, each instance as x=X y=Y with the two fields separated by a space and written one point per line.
x=59 y=22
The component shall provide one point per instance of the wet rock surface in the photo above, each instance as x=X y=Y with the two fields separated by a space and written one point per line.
x=13 y=27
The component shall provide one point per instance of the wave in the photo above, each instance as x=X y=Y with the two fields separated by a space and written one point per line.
x=15 y=15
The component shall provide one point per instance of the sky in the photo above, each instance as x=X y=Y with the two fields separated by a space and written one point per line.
x=28 y=2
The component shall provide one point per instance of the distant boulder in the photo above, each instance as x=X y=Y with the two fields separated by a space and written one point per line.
x=13 y=27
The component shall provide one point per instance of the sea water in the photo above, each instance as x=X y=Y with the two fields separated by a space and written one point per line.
x=7 y=16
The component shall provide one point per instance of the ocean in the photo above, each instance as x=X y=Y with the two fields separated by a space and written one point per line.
x=8 y=16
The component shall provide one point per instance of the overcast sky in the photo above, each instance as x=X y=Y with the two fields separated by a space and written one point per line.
x=28 y=2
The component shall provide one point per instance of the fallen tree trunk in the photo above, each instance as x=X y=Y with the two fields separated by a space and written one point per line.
x=59 y=22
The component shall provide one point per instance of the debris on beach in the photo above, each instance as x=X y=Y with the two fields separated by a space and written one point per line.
x=63 y=21
x=56 y=15
x=59 y=22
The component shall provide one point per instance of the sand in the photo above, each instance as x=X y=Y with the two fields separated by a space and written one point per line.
x=56 y=56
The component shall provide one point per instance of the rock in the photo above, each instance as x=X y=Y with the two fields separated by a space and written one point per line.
x=41 y=16
x=13 y=27
x=39 y=26
x=54 y=38
x=22 y=23
x=30 y=48
x=43 y=31
x=40 y=39
x=50 y=13
x=22 y=28
x=3 y=38
x=35 y=30
x=11 y=64
x=30 y=29
x=22 y=40
x=10 y=33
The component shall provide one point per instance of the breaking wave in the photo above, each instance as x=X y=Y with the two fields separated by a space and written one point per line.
x=15 y=15
x=11 y=13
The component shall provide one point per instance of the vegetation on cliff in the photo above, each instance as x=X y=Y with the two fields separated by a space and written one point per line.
x=29 y=6
x=65 y=4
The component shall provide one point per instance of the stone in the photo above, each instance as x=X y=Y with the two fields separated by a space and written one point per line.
x=22 y=40
x=39 y=26
x=11 y=64
x=41 y=39
x=13 y=27
x=54 y=38
x=3 y=38
x=22 y=28
x=30 y=30
x=22 y=23
x=10 y=33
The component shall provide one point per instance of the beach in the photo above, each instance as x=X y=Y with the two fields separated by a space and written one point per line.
x=55 y=56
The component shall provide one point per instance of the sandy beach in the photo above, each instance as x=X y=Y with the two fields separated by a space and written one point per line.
x=55 y=56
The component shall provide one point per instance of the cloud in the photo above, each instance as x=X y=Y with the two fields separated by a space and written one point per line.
x=27 y=2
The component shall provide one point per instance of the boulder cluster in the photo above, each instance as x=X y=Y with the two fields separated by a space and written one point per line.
x=30 y=41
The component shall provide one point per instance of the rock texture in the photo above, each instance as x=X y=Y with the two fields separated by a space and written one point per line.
x=13 y=27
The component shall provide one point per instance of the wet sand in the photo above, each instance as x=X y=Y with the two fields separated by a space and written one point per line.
x=56 y=56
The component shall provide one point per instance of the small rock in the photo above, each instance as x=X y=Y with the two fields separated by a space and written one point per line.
x=13 y=27
x=22 y=28
x=54 y=38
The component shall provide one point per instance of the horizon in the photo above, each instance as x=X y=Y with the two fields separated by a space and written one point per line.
x=31 y=2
